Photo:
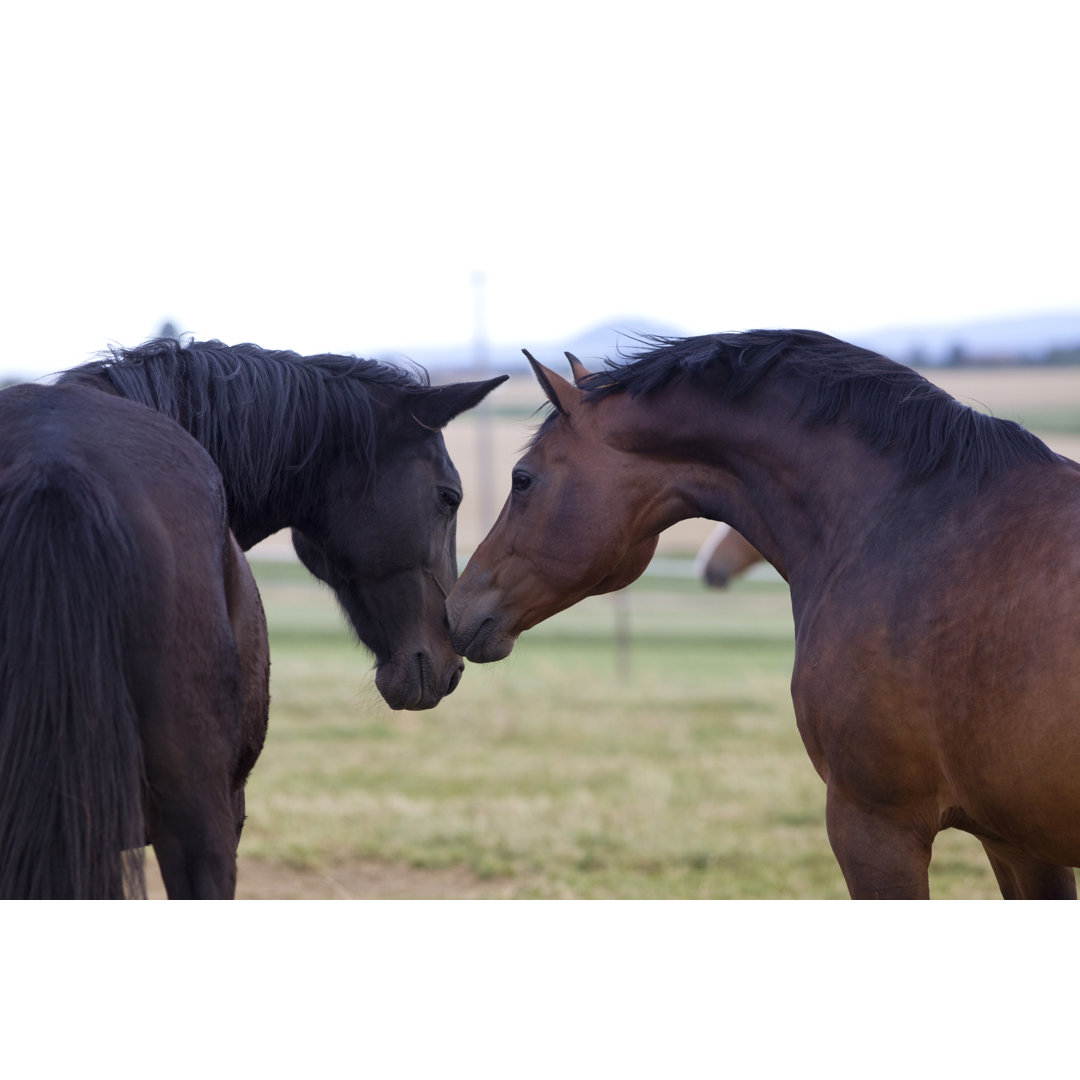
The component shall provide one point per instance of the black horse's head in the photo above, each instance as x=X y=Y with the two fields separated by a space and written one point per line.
x=346 y=452
x=384 y=541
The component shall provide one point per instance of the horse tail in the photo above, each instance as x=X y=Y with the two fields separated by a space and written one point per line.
x=71 y=774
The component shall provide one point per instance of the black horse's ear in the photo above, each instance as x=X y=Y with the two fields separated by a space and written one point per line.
x=435 y=406
x=562 y=394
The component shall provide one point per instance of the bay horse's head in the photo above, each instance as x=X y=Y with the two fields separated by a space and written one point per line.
x=385 y=543
x=580 y=520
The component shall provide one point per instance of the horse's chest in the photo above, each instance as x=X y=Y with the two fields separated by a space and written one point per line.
x=859 y=690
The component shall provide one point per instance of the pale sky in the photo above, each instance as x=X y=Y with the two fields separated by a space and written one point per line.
x=328 y=176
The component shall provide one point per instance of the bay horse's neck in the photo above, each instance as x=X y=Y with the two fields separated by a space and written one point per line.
x=802 y=495
x=805 y=498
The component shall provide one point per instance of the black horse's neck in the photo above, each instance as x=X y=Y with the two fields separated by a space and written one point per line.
x=269 y=420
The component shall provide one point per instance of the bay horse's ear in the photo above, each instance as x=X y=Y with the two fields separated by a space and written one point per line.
x=435 y=406
x=578 y=368
x=562 y=394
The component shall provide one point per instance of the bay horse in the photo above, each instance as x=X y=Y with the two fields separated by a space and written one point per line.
x=349 y=454
x=134 y=661
x=932 y=559
x=725 y=555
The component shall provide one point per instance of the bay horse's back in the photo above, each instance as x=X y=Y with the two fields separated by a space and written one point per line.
x=114 y=638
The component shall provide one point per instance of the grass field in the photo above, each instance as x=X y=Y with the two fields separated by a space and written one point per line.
x=575 y=769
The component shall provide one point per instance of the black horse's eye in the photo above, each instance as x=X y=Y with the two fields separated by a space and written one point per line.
x=520 y=481
x=450 y=498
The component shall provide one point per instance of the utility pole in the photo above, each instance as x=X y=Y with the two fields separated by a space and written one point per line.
x=485 y=438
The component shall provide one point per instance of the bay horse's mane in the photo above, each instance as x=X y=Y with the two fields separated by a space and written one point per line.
x=256 y=411
x=892 y=406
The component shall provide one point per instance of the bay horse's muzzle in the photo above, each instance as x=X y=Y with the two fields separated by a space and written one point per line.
x=475 y=633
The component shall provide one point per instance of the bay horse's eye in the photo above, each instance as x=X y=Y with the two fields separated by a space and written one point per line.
x=520 y=481
x=450 y=498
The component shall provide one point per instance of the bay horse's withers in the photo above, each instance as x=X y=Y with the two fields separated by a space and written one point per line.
x=931 y=553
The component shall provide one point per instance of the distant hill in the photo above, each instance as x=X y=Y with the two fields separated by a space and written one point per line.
x=1024 y=339
x=1019 y=339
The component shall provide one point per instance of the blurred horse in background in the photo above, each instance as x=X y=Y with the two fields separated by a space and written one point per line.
x=725 y=555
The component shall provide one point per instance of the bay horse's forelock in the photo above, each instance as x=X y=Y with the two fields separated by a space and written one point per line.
x=932 y=562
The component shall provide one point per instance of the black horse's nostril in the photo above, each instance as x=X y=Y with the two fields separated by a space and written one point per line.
x=455 y=678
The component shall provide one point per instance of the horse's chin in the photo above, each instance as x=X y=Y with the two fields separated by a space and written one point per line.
x=487 y=644
x=410 y=682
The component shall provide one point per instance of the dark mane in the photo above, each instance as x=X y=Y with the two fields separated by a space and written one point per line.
x=258 y=412
x=891 y=405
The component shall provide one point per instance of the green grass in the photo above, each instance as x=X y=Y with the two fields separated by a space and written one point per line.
x=571 y=769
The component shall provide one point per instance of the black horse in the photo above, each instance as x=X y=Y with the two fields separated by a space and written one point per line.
x=133 y=658
x=346 y=452
x=133 y=653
